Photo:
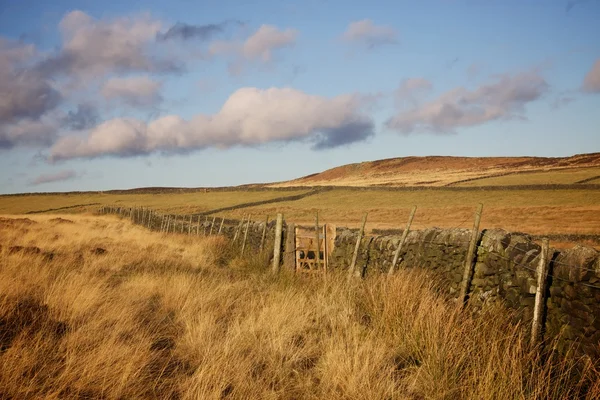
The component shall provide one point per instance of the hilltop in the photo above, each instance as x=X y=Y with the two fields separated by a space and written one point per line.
x=458 y=171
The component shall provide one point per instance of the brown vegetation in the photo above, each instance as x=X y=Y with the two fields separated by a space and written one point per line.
x=445 y=171
x=104 y=309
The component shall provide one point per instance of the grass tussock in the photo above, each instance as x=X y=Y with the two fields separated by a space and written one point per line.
x=97 y=308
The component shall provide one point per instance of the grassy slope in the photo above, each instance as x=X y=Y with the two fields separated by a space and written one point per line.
x=157 y=317
x=443 y=171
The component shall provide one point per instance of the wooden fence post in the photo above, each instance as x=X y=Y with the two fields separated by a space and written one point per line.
x=469 y=264
x=357 y=247
x=221 y=226
x=538 y=308
x=245 y=235
x=402 y=240
x=211 y=226
x=264 y=234
x=238 y=228
x=190 y=225
x=325 y=250
x=317 y=242
x=277 y=245
x=289 y=258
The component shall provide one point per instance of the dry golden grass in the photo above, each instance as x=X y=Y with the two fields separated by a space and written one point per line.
x=156 y=316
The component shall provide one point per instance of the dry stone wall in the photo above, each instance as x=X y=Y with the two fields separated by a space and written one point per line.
x=505 y=271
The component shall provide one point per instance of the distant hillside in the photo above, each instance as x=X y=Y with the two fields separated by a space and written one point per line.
x=458 y=171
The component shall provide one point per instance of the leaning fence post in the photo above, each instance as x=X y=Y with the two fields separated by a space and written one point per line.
x=264 y=234
x=357 y=247
x=221 y=226
x=277 y=245
x=402 y=240
x=317 y=242
x=325 y=250
x=245 y=235
x=211 y=226
x=538 y=308
x=469 y=264
x=238 y=228
x=289 y=258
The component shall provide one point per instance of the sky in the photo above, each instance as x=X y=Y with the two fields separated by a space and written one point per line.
x=116 y=95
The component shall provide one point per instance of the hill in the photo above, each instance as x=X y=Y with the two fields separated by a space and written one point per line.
x=458 y=171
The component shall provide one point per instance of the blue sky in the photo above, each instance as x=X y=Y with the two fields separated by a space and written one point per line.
x=107 y=95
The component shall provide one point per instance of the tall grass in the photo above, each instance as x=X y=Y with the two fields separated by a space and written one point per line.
x=98 y=308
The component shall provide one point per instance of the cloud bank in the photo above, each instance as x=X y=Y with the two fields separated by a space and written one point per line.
x=249 y=117
x=503 y=98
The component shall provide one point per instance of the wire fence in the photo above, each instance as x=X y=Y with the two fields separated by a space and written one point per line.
x=189 y=224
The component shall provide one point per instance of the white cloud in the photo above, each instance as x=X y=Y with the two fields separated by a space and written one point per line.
x=93 y=48
x=259 y=47
x=136 y=91
x=591 y=82
x=249 y=117
x=504 y=98
x=366 y=33
x=56 y=177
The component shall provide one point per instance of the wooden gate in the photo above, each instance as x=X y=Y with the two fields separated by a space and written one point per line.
x=307 y=259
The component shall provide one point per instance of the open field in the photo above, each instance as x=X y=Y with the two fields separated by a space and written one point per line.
x=531 y=211
x=540 y=212
x=565 y=177
x=171 y=201
x=93 y=307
